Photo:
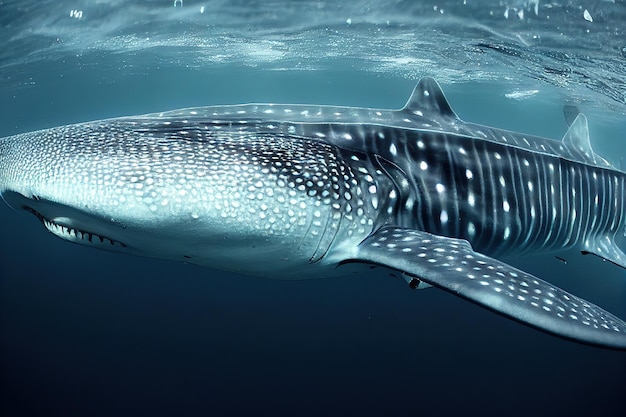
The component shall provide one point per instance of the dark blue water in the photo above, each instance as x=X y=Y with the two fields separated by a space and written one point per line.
x=91 y=333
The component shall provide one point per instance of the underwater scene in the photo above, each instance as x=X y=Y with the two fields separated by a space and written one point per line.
x=157 y=324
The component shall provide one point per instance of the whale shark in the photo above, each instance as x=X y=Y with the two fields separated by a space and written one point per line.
x=307 y=191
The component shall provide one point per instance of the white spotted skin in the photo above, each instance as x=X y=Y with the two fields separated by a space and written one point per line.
x=483 y=192
x=255 y=203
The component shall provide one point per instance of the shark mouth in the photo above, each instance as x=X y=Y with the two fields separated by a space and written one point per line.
x=73 y=234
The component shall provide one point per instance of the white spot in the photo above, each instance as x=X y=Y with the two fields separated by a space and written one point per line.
x=443 y=217
x=507 y=232
x=471 y=229
x=530 y=186
x=440 y=188
x=497 y=155
x=469 y=174
x=393 y=149
x=505 y=206
x=587 y=16
x=471 y=200
x=502 y=181
x=423 y=166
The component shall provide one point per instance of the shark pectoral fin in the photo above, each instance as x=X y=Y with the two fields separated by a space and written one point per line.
x=451 y=264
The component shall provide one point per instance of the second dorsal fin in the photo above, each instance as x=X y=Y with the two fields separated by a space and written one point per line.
x=570 y=112
x=427 y=97
x=577 y=137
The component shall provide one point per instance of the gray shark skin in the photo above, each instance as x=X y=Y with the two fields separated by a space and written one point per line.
x=295 y=191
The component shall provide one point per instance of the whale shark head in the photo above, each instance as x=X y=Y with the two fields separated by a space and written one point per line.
x=163 y=188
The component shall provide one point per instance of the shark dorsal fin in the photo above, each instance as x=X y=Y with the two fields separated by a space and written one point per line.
x=427 y=97
x=577 y=137
x=570 y=112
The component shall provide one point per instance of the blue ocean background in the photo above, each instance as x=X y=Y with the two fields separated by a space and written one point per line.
x=90 y=333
